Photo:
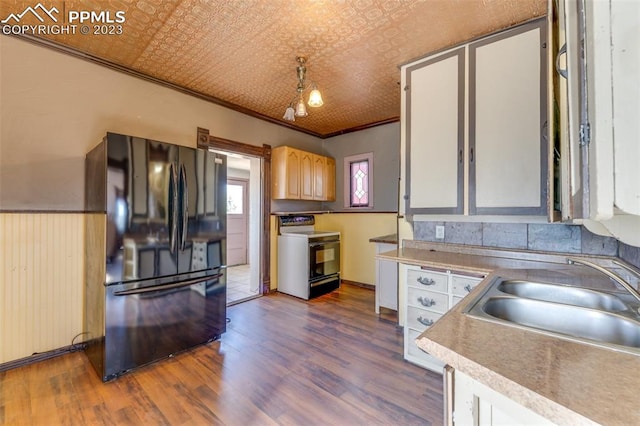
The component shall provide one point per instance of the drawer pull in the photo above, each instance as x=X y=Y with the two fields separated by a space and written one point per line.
x=426 y=281
x=427 y=322
x=468 y=288
x=426 y=302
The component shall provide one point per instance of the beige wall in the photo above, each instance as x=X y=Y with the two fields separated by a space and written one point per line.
x=357 y=253
x=54 y=108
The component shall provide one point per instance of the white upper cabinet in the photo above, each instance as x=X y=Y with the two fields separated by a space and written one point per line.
x=600 y=110
x=474 y=122
x=507 y=118
x=435 y=133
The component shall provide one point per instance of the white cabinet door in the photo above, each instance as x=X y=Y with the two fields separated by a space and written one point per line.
x=507 y=123
x=477 y=404
x=475 y=131
x=435 y=134
x=386 y=280
x=625 y=70
x=606 y=180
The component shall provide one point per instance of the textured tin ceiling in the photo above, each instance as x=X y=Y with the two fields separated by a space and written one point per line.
x=243 y=52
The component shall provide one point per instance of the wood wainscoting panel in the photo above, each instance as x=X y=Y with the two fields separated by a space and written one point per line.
x=41 y=282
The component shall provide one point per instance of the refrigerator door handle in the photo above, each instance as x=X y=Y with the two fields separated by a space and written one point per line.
x=173 y=209
x=171 y=286
x=184 y=192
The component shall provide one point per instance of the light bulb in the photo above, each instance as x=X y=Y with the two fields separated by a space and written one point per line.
x=301 y=109
x=289 y=114
x=315 y=98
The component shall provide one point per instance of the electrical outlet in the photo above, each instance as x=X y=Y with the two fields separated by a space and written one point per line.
x=439 y=232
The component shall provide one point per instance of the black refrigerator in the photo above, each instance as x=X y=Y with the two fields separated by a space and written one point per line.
x=155 y=249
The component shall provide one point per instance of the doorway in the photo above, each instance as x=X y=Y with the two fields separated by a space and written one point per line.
x=243 y=227
x=258 y=206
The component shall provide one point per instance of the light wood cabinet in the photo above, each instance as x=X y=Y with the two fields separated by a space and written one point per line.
x=475 y=127
x=306 y=175
x=428 y=295
x=301 y=175
x=286 y=173
x=330 y=187
x=319 y=177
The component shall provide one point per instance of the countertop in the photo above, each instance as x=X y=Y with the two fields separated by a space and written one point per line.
x=387 y=239
x=564 y=381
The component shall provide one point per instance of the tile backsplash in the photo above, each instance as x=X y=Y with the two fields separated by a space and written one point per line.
x=528 y=236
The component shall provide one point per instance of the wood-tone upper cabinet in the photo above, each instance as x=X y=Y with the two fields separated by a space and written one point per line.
x=301 y=175
x=319 y=177
x=330 y=186
x=286 y=173
x=307 y=174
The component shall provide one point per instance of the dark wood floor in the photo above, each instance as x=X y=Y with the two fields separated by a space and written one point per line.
x=328 y=361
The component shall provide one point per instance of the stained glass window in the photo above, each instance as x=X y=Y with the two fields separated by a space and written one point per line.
x=359 y=183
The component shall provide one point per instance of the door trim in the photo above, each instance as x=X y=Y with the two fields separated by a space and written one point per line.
x=205 y=141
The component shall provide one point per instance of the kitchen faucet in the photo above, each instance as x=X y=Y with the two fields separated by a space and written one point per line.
x=613 y=276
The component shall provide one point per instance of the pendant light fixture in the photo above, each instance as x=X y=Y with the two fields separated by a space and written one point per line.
x=297 y=107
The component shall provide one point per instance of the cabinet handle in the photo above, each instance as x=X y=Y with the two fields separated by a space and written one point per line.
x=426 y=302
x=426 y=281
x=471 y=155
x=562 y=51
x=427 y=322
x=460 y=156
x=468 y=288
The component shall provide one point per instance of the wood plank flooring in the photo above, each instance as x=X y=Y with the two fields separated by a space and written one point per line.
x=285 y=361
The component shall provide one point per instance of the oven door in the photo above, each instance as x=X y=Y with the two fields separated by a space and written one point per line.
x=324 y=257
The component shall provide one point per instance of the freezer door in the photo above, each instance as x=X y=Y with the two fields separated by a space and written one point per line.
x=153 y=319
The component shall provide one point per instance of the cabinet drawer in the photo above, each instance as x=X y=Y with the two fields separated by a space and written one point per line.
x=461 y=286
x=455 y=300
x=431 y=300
x=427 y=280
x=414 y=350
x=421 y=319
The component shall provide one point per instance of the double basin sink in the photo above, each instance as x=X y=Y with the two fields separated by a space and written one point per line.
x=596 y=317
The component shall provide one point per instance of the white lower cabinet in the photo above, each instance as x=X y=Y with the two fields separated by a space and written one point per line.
x=477 y=404
x=428 y=295
x=386 y=280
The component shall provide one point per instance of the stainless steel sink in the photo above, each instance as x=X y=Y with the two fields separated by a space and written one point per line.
x=574 y=313
x=563 y=294
x=566 y=319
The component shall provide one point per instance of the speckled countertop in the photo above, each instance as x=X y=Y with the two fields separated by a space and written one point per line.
x=564 y=381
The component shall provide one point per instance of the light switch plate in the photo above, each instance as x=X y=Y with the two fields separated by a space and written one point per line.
x=439 y=232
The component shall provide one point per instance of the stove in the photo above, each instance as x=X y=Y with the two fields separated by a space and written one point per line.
x=308 y=259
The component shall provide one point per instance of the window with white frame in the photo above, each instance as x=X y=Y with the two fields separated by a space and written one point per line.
x=358 y=181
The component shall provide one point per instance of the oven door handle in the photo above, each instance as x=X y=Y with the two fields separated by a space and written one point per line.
x=324 y=243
